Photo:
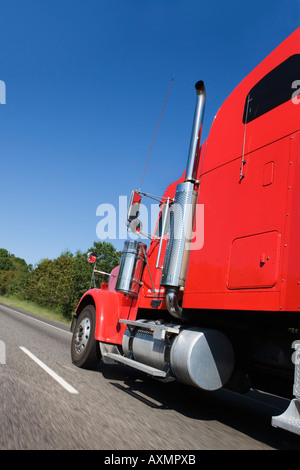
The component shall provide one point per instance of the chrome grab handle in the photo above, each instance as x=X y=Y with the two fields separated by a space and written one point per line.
x=162 y=233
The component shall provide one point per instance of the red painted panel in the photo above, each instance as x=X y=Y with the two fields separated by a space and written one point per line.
x=110 y=307
x=265 y=200
x=225 y=141
x=254 y=261
x=290 y=292
x=235 y=210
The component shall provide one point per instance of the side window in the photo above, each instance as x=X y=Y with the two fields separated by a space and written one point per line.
x=273 y=89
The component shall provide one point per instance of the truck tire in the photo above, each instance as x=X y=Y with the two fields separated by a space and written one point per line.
x=85 y=351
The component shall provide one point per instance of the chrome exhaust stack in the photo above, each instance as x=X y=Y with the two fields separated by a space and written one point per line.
x=182 y=215
x=193 y=157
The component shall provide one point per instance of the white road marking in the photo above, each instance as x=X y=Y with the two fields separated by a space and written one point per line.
x=35 y=319
x=53 y=374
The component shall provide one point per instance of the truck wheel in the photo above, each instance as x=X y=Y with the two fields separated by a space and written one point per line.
x=85 y=351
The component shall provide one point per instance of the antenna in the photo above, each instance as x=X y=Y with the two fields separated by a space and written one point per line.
x=155 y=133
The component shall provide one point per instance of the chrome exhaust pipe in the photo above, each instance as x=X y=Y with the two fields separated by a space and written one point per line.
x=172 y=303
x=193 y=158
x=182 y=215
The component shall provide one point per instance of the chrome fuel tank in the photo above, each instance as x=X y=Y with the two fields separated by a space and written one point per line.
x=203 y=358
x=131 y=268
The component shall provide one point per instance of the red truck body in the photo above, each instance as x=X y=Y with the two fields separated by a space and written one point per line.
x=244 y=279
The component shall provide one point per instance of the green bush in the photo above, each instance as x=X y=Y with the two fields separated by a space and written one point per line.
x=59 y=283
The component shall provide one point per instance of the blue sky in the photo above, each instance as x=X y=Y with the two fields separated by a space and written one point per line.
x=85 y=85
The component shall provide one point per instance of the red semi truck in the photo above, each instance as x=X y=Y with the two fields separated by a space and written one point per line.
x=214 y=300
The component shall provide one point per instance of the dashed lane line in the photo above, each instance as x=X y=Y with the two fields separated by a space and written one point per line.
x=53 y=374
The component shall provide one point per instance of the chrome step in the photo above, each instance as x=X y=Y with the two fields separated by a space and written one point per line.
x=137 y=365
x=159 y=329
x=290 y=419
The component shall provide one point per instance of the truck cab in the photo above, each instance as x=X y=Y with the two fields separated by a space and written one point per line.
x=214 y=300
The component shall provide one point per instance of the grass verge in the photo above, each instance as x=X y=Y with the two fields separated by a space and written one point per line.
x=32 y=307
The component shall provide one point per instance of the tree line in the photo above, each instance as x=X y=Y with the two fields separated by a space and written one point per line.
x=58 y=283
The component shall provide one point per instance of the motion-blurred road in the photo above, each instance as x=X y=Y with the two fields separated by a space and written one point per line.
x=47 y=403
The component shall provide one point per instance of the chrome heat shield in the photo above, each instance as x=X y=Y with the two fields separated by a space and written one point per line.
x=181 y=221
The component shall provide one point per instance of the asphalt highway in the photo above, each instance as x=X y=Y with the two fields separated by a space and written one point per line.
x=46 y=403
